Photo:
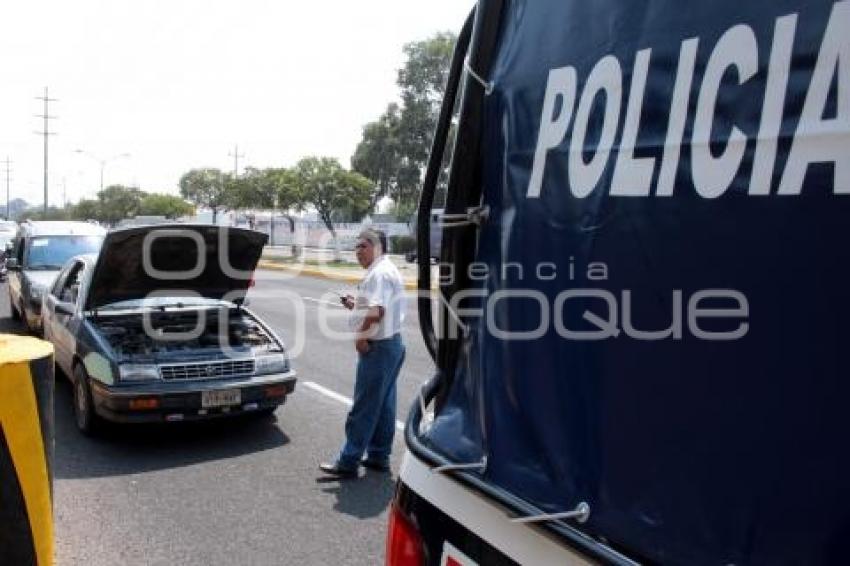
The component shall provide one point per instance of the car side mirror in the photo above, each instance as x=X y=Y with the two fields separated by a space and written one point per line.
x=63 y=307
x=12 y=264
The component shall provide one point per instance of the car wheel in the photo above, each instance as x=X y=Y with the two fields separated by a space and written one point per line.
x=87 y=420
x=24 y=319
x=15 y=314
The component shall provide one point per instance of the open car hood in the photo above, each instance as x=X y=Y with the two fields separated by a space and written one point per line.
x=178 y=260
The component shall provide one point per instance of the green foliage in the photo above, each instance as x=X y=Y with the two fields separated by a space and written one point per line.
x=332 y=190
x=265 y=188
x=402 y=244
x=378 y=155
x=37 y=213
x=170 y=206
x=394 y=149
x=404 y=211
x=117 y=202
x=207 y=188
x=86 y=209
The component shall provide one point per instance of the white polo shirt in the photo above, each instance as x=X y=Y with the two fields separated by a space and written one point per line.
x=382 y=286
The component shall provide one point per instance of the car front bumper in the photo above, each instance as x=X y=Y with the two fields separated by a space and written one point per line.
x=182 y=401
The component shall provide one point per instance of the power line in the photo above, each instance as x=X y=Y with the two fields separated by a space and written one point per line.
x=47 y=100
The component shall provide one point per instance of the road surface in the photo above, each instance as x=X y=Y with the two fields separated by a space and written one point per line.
x=238 y=491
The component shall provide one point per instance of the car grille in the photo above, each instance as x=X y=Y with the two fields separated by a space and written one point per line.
x=207 y=370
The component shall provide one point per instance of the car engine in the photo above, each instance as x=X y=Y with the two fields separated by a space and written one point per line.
x=179 y=331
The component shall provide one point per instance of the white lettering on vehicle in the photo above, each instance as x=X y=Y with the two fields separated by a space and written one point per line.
x=815 y=140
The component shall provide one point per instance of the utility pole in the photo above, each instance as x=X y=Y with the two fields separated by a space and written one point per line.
x=236 y=155
x=47 y=100
x=8 y=172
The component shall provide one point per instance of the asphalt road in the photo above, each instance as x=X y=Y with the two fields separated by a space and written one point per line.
x=237 y=491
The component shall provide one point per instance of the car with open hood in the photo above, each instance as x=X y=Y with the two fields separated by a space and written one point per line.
x=155 y=328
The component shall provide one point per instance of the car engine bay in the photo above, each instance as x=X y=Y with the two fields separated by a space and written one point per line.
x=153 y=334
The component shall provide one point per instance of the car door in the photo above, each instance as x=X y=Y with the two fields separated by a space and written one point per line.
x=49 y=304
x=58 y=327
x=15 y=276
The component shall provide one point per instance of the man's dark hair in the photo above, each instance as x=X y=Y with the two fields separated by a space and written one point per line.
x=375 y=236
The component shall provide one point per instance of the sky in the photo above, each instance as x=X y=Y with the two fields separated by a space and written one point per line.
x=154 y=88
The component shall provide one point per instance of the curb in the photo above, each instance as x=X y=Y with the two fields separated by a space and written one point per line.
x=322 y=274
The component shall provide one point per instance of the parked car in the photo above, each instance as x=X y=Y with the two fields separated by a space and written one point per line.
x=144 y=340
x=40 y=250
x=7 y=235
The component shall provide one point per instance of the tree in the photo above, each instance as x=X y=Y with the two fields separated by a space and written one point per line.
x=332 y=190
x=53 y=213
x=170 y=206
x=422 y=81
x=394 y=150
x=207 y=188
x=273 y=188
x=378 y=155
x=86 y=209
x=117 y=202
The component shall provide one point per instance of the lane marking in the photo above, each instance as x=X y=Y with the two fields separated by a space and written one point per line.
x=338 y=397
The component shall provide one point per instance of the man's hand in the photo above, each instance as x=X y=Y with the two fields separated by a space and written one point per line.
x=347 y=301
x=362 y=346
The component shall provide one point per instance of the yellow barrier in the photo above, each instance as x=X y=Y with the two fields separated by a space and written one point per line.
x=26 y=451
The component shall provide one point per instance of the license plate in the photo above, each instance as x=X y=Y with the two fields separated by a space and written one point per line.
x=223 y=398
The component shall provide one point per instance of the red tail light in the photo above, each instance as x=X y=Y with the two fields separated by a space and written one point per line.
x=404 y=544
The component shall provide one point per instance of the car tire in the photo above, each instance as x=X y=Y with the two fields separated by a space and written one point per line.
x=85 y=417
x=22 y=312
x=264 y=413
x=15 y=314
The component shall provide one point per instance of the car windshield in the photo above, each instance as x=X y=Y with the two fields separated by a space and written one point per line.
x=52 y=252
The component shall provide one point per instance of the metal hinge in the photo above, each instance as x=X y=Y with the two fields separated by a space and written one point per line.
x=488 y=86
x=581 y=513
x=474 y=216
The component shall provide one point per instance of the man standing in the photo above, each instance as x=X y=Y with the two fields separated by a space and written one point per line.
x=376 y=318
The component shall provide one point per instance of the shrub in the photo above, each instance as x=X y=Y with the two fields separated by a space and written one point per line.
x=402 y=244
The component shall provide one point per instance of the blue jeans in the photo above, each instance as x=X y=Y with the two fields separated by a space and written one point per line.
x=370 y=425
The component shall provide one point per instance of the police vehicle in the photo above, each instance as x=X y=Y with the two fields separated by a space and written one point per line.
x=641 y=351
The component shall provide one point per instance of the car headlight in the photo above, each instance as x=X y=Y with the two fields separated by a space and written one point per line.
x=270 y=363
x=36 y=293
x=138 y=372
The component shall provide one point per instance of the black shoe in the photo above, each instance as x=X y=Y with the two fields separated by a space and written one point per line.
x=376 y=465
x=334 y=469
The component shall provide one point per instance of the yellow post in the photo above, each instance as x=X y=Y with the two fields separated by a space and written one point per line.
x=26 y=451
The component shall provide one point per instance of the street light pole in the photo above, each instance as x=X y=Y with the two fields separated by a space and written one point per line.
x=101 y=162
